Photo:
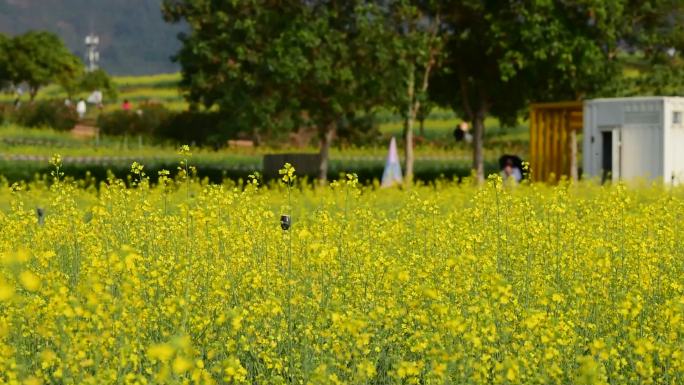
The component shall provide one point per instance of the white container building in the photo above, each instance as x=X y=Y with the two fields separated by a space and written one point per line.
x=634 y=138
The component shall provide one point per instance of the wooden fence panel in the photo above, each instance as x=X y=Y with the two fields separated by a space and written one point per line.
x=553 y=135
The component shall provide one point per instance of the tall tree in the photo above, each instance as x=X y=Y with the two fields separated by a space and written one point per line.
x=342 y=63
x=414 y=30
x=98 y=80
x=278 y=64
x=655 y=44
x=224 y=58
x=89 y=81
x=5 y=76
x=39 y=58
x=501 y=56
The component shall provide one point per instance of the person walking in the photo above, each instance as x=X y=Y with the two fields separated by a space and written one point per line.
x=81 y=108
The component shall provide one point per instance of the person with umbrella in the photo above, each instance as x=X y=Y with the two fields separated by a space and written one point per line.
x=511 y=168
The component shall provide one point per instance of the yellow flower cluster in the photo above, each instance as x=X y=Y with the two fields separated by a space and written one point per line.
x=288 y=173
x=186 y=282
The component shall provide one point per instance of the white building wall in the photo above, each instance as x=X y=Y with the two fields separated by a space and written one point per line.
x=674 y=141
x=650 y=135
x=641 y=150
x=642 y=145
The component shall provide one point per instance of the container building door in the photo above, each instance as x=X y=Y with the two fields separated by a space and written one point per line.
x=611 y=154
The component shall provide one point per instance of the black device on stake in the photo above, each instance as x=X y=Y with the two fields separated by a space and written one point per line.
x=40 y=213
x=285 y=222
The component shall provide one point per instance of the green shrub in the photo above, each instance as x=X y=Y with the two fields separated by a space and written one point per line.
x=5 y=113
x=46 y=113
x=367 y=171
x=116 y=123
x=150 y=117
x=146 y=120
x=201 y=128
x=358 y=130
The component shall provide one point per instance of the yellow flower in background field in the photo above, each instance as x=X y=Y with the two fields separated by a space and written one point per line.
x=56 y=160
x=184 y=150
x=6 y=291
x=233 y=371
x=29 y=280
x=181 y=365
x=193 y=283
x=366 y=369
x=287 y=173
x=137 y=168
x=161 y=352
x=590 y=372
x=409 y=369
x=32 y=381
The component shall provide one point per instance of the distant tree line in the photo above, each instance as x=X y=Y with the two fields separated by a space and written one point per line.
x=281 y=65
x=37 y=58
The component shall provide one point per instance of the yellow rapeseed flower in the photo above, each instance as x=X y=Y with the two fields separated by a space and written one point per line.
x=29 y=280
x=6 y=291
x=161 y=352
x=181 y=365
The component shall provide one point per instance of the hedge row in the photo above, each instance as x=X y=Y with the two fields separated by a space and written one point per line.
x=211 y=128
x=156 y=121
x=42 y=113
x=14 y=170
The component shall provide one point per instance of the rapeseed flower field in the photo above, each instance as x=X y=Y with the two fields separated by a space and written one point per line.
x=186 y=282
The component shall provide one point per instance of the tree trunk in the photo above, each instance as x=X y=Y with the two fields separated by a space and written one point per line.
x=324 y=152
x=478 y=146
x=256 y=138
x=408 y=130
x=414 y=102
x=408 y=153
x=33 y=91
x=421 y=126
x=573 y=156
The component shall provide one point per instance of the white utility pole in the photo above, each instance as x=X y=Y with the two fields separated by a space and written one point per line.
x=92 y=41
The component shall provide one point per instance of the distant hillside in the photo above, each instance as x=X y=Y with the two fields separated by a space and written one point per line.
x=134 y=39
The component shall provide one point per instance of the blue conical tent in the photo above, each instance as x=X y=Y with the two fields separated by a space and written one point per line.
x=392 y=174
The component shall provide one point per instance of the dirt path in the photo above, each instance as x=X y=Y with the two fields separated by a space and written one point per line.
x=84 y=131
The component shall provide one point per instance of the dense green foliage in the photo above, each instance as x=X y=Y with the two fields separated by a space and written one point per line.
x=37 y=59
x=202 y=128
x=134 y=40
x=411 y=30
x=46 y=113
x=295 y=64
x=98 y=80
x=326 y=70
x=291 y=64
x=657 y=36
x=145 y=120
x=5 y=74
x=500 y=57
x=154 y=120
